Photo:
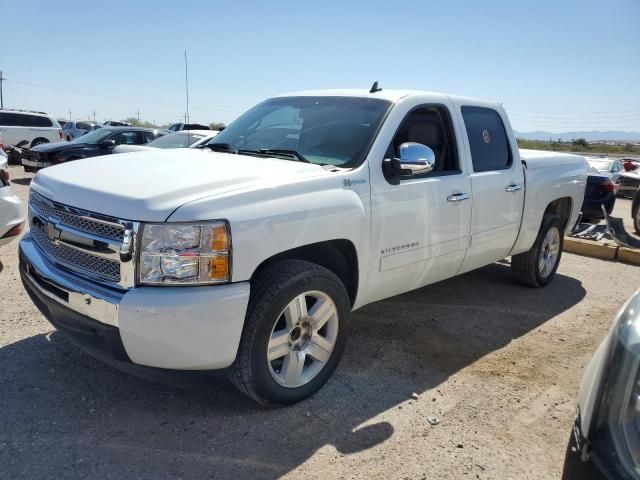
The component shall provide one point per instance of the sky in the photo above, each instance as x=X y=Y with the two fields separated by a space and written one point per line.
x=556 y=65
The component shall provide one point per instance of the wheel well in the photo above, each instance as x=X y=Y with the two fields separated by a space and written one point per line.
x=562 y=208
x=339 y=256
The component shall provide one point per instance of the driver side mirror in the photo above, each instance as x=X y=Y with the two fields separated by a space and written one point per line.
x=415 y=159
x=108 y=143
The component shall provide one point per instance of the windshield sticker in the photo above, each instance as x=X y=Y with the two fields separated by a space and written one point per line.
x=356 y=181
x=486 y=136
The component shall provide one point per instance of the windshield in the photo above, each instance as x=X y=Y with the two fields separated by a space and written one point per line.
x=182 y=139
x=95 y=136
x=325 y=130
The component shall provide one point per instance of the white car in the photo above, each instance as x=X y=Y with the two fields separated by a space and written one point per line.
x=610 y=167
x=25 y=128
x=251 y=251
x=11 y=212
x=181 y=139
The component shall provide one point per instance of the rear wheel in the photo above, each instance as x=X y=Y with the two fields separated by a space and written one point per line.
x=294 y=333
x=636 y=220
x=537 y=267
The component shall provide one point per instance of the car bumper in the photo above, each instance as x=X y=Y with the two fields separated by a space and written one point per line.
x=34 y=163
x=177 y=328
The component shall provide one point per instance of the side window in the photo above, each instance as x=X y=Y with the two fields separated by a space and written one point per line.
x=149 y=136
x=40 y=121
x=488 y=141
x=430 y=126
x=13 y=119
x=615 y=168
x=127 y=138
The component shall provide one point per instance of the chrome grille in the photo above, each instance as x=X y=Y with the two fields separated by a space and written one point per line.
x=75 y=259
x=77 y=219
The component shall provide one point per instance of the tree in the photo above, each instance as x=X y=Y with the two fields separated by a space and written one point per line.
x=137 y=123
x=217 y=126
x=580 y=142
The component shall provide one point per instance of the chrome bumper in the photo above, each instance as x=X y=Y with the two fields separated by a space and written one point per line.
x=33 y=163
x=94 y=301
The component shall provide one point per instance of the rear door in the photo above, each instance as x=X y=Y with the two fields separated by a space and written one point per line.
x=497 y=185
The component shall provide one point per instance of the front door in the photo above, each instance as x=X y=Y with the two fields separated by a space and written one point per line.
x=420 y=229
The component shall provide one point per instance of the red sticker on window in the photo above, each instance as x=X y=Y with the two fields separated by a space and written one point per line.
x=486 y=136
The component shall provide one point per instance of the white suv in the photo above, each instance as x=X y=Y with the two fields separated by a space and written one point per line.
x=25 y=128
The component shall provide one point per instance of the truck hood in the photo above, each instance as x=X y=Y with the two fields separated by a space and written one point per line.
x=149 y=186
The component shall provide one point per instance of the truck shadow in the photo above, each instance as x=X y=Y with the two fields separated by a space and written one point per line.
x=66 y=415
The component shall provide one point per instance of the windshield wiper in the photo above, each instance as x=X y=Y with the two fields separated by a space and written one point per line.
x=220 y=147
x=281 y=151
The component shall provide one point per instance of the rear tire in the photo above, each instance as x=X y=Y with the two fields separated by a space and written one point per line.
x=538 y=266
x=288 y=301
x=636 y=220
x=39 y=141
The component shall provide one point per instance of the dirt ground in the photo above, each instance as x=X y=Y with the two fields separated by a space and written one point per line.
x=498 y=364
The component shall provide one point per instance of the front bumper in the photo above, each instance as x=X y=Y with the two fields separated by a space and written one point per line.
x=179 y=328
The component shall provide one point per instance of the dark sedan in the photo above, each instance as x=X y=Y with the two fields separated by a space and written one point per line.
x=600 y=190
x=94 y=143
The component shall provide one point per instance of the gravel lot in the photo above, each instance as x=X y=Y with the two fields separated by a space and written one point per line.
x=498 y=364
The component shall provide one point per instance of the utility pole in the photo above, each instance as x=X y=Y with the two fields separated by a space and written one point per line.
x=94 y=115
x=186 y=85
x=138 y=114
x=69 y=114
x=1 y=97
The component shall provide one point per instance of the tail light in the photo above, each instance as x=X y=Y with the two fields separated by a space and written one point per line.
x=1 y=143
x=61 y=133
x=609 y=186
x=4 y=174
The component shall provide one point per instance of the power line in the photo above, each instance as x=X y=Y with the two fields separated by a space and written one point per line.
x=124 y=99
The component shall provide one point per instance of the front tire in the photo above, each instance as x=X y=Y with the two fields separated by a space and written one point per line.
x=294 y=334
x=39 y=141
x=538 y=266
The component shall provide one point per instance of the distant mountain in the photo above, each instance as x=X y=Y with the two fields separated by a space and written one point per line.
x=593 y=136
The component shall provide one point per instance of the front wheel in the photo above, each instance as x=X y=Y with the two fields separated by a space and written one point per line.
x=537 y=267
x=294 y=335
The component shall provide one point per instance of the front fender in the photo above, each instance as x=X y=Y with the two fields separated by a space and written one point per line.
x=268 y=221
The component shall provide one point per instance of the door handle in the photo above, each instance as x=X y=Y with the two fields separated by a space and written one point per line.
x=514 y=187
x=458 y=197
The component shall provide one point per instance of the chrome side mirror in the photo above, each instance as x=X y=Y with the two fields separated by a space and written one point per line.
x=415 y=159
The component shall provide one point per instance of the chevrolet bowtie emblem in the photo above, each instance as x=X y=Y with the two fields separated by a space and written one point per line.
x=52 y=232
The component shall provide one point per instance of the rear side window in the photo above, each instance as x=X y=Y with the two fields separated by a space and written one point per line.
x=36 y=121
x=14 y=119
x=488 y=141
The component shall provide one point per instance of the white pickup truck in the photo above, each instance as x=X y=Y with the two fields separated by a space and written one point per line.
x=251 y=251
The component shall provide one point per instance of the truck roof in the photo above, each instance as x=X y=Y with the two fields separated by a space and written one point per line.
x=385 y=94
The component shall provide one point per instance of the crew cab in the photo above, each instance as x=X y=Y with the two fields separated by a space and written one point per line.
x=250 y=252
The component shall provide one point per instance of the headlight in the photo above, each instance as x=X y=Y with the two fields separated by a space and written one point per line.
x=180 y=253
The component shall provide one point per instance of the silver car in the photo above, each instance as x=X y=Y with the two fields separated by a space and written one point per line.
x=73 y=130
x=607 y=166
x=607 y=429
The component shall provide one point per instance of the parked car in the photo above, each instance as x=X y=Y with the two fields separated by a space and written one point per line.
x=182 y=139
x=25 y=128
x=628 y=184
x=600 y=190
x=607 y=166
x=11 y=212
x=97 y=142
x=635 y=211
x=114 y=123
x=73 y=129
x=607 y=428
x=176 y=127
x=251 y=251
